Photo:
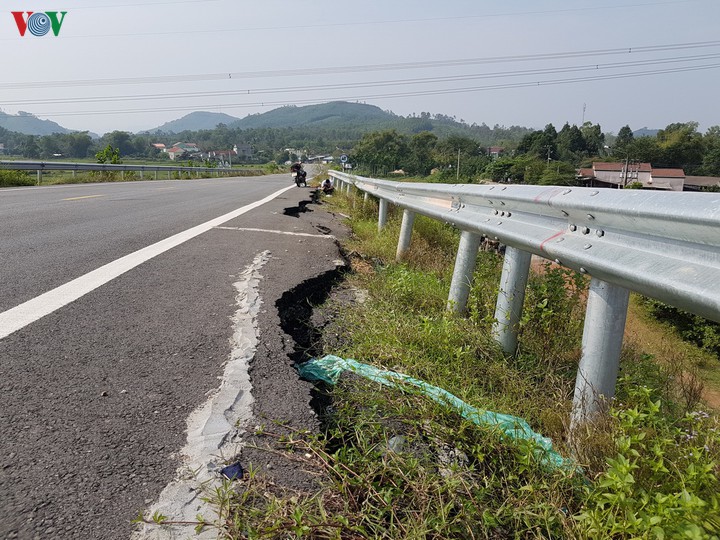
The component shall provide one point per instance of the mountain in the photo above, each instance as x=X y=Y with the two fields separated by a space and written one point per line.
x=333 y=114
x=645 y=132
x=30 y=124
x=195 y=121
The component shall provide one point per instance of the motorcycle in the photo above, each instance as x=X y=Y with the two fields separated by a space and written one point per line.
x=299 y=177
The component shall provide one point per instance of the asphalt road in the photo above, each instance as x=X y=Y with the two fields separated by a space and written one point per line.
x=94 y=396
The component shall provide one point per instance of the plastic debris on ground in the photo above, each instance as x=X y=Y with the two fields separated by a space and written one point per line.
x=330 y=367
x=233 y=472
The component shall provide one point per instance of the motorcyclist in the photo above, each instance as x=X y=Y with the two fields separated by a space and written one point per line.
x=297 y=168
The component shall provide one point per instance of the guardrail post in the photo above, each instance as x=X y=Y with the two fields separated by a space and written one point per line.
x=464 y=268
x=382 y=214
x=405 y=234
x=122 y=175
x=156 y=175
x=508 y=310
x=39 y=177
x=605 y=316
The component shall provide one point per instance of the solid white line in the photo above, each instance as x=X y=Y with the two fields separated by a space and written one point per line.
x=272 y=231
x=20 y=316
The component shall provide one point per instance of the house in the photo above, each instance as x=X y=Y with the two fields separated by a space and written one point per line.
x=190 y=148
x=620 y=175
x=496 y=151
x=697 y=183
x=2 y=148
x=180 y=150
x=223 y=157
x=243 y=150
x=159 y=146
x=175 y=153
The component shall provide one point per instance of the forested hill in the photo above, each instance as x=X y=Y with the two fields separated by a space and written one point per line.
x=334 y=114
x=355 y=119
x=195 y=121
x=337 y=123
x=29 y=124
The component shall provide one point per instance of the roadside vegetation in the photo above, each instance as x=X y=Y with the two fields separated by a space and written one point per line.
x=392 y=464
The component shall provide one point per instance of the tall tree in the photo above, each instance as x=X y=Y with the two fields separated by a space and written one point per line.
x=384 y=150
x=421 y=159
x=624 y=139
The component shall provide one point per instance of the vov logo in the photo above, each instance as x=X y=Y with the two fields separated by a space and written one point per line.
x=39 y=23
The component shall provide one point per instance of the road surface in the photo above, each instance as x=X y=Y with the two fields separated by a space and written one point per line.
x=95 y=394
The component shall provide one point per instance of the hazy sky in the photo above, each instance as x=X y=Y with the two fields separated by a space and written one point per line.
x=130 y=65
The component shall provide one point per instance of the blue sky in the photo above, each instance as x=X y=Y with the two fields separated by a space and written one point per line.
x=130 y=65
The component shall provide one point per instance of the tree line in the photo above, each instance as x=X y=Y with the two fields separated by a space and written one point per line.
x=546 y=156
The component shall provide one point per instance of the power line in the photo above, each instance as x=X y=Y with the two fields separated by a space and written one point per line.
x=370 y=84
x=551 y=82
x=358 y=69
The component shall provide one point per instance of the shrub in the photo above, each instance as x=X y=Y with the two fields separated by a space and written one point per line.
x=15 y=178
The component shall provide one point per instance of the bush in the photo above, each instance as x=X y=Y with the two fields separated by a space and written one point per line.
x=15 y=178
x=692 y=328
x=663 y=481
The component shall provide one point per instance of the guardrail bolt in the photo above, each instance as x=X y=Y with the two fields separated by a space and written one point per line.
x=586 y=230
x=590 y=217
x=573 y=228
x=600 y=233
x=587 y=246
x=582 y=270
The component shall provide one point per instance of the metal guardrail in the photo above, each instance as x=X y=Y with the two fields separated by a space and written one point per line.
x=41 y=166
x=663 y=245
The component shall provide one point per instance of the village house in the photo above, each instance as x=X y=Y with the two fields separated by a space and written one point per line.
x=181 y=150
x=620 y=175
x=496 y=151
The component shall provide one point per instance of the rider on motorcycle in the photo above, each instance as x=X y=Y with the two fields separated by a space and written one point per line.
x=297 y=168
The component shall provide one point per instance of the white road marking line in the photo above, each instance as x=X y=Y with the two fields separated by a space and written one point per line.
x=277 y=232
x=84 y=197
x=20 y=316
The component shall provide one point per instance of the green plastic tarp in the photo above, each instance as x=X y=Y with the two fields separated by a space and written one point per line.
x=329 y=368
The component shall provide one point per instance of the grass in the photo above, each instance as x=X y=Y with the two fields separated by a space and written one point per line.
x=10 y=178
x=391 y=464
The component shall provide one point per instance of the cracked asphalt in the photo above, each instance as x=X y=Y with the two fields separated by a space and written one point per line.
x=94 y=397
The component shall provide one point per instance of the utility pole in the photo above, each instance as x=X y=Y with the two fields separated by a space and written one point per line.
x=457 y=173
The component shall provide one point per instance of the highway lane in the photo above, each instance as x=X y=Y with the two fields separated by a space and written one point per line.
x=56 y=233
x=94 y=397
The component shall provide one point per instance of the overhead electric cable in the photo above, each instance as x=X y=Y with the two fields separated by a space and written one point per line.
x=550 y=82
x=369 y=84
x=357 y=69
